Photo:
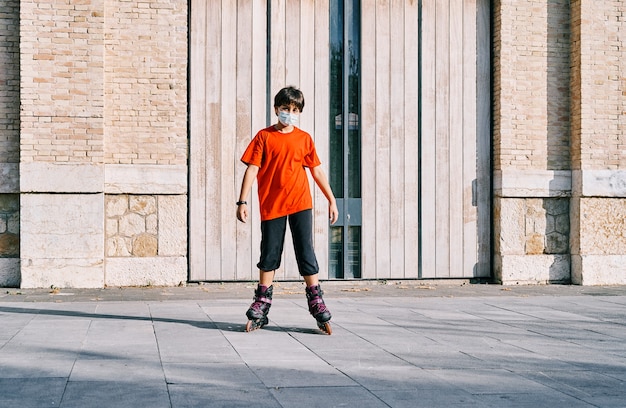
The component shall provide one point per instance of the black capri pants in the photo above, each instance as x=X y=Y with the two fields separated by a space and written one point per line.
x=273 y=239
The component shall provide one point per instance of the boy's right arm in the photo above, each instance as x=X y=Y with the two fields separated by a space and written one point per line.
x=246 y=185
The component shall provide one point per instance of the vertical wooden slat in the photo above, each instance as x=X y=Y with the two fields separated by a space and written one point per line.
x=292 y=43
x=277 y=45
x=368 y=138
x=320 y=111
x=212 y=134
x=227 y=137
x=483 y=136
x=456 y=131
x=197 y=160
x=258 y=119
x=429 y=114
x=470 y=248
x=442 y=141
x=411 y=139
x=397 y=136
x=241 y=137
x=306 y=63
x=293 y=50
x=278 y=69
x=383 y=104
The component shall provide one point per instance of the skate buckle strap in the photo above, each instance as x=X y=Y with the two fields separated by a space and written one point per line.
x=263 y=299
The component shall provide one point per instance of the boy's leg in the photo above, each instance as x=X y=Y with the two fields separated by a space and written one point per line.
x=260 y=307
x=272 y=238
x=301 y=225
x=272 y=242
x=262 y=300
x=311 y=280
x=266 y=278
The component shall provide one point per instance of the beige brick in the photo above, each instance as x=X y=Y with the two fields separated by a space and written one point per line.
x=145 y=90
x=531 y=95
x=61 y=79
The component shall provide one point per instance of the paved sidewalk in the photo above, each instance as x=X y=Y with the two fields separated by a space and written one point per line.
x=400 y=344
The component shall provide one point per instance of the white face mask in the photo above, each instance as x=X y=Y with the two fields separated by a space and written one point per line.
x=287 y=118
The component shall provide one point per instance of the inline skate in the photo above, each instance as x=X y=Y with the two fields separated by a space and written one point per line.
x=257 y=313
x=318 y=308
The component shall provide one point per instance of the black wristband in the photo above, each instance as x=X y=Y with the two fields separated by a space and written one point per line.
x=241 y=202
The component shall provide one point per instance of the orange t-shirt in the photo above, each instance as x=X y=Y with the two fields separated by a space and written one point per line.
x=282 y=181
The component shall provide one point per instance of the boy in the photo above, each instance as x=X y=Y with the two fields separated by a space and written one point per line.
x=277 y=157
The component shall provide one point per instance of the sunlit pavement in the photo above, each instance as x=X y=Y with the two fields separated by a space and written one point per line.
x=394 y=344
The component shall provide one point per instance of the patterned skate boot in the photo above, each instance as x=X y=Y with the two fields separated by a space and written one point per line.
x=318 y=309
x=257 y=313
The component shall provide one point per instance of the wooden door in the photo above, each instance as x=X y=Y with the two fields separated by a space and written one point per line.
x=455 y=139
x=425 y=131
x=234 y=74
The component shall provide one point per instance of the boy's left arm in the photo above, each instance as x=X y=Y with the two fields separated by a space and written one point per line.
x=322 y=182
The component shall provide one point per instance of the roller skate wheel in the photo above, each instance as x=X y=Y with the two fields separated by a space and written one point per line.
x=250 y=326
x=325 y=327
x=253 y=325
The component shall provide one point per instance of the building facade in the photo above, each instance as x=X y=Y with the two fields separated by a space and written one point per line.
x=463 y=139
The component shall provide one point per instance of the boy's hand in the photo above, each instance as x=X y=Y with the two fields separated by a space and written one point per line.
x=333 y=213
x=242 y=212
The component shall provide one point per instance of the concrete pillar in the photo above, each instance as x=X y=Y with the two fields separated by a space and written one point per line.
x=61 y=170
x=532 y=177
x=598 y=145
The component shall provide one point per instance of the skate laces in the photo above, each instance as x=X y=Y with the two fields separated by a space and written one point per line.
x=316 y=302
x=262 y=299
x=317 y=306
x=259 y=305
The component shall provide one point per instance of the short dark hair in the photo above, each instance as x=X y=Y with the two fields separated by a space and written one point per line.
x=289 y=96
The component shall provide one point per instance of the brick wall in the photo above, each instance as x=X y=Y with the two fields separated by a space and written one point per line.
x=61 y=77
x=531 y=93
x=146 y=82
x=103 y=87
x=599 y=82
x=9 y=81
x=104 y=81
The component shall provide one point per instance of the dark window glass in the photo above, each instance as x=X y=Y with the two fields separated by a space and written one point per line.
x=345 y=137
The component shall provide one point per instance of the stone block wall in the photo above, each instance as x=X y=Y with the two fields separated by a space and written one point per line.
x=146 y=239
x=9 y=239
x=532 y=239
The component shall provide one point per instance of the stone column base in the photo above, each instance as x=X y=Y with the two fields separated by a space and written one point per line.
x=599 y=269
x=62 y=240
x=9 y=272
x=151 y=271
x=532 y=269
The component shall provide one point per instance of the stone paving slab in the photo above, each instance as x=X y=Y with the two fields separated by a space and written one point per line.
x=394 y=344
